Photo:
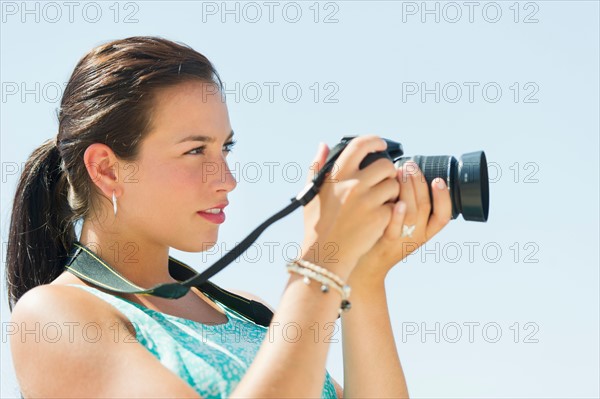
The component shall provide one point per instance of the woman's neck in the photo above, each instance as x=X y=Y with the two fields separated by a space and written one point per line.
x=139 y=260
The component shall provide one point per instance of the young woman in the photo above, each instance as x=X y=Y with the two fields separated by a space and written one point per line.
x=140 y=120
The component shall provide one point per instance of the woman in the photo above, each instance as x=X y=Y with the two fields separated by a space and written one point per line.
x=140 y=120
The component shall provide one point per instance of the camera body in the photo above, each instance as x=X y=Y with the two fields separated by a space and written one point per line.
x=466 y=177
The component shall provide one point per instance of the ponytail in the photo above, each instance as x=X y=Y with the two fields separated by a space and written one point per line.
x=41 y=227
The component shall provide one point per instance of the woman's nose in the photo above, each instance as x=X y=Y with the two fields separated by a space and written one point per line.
x=218 y=174
x=229 y=183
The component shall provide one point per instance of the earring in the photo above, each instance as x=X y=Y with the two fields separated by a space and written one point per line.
x=114 y=201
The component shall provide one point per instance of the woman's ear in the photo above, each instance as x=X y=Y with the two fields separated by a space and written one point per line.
x=102 y=167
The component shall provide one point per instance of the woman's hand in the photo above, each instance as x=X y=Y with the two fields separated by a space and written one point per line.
x=352 y=209
x=412 y=209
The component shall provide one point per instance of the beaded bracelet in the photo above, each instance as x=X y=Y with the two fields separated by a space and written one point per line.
x=319 y=269
x=325 y=281
x=322 y=270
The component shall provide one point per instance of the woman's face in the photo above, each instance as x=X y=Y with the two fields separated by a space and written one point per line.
x=181 y=170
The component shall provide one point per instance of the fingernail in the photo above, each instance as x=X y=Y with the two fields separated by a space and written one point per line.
x=440 y=183
x=402 y=207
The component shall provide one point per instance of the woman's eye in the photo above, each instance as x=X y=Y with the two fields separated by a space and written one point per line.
x=228 y=147
x=199 y=149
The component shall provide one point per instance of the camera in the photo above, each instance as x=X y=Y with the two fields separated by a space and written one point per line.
x=466 y=177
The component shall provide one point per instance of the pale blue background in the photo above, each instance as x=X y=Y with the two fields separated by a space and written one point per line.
x=550 y=211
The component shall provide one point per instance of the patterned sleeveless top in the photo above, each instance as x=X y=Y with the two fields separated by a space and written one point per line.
x=212 y=359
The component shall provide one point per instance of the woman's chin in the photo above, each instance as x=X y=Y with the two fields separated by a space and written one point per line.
x=207 y=242
x=201 y=244
x=205 y=246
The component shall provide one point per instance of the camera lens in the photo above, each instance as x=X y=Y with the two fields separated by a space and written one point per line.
x=466 y=178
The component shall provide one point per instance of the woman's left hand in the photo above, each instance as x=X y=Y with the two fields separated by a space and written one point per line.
x=412 y=224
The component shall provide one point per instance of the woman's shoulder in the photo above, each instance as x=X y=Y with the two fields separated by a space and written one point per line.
x=58 y=324
x=63 y=304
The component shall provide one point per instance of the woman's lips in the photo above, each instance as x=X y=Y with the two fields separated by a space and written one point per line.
x=217 y=218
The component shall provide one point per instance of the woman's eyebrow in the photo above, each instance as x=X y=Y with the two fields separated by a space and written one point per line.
x=205 y=139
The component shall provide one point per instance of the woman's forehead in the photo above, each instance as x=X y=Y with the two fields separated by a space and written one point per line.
x=188 y=109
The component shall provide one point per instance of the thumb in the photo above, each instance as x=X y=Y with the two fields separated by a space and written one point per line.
x=318 y=162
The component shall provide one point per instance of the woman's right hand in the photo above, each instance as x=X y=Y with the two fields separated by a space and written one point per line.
x=352 y=209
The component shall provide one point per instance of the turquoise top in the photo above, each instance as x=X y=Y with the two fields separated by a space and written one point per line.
x=212 y=359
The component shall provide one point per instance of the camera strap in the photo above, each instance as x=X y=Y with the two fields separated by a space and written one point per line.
x=88 y=266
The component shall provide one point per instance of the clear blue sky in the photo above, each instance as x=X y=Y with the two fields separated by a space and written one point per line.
x=507 y=308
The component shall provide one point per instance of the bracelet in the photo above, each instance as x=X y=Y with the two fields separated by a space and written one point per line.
x=322 y=270
x=319 y=269
x=325 y=281
x=306 y=264
x=309 y=274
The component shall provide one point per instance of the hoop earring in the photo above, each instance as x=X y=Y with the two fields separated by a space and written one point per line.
x=114 y=201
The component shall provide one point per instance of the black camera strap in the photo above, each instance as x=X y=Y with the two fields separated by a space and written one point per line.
x=91 y=268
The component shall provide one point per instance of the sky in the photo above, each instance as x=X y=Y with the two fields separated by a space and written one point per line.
x=507 y=308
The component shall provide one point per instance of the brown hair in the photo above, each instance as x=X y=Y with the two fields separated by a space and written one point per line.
x=108 y=100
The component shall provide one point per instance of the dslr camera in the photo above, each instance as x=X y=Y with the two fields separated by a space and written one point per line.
x=465 y=177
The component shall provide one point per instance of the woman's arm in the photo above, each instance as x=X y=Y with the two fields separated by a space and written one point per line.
x=290 y=363
x=372 y=366
x=352 y=214
x=338 y=388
